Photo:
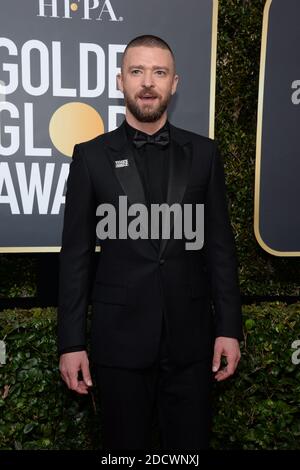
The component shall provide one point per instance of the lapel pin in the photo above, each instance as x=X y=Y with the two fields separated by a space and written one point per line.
x=121 y=163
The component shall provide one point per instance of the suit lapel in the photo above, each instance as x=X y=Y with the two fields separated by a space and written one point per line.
x=128 y=176
x=180 y=158
x=179 y=166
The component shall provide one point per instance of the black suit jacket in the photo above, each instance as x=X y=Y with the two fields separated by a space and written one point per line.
x=138 y=281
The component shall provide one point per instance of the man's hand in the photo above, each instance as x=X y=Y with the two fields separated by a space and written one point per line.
x=69 y=365
x=229 y=348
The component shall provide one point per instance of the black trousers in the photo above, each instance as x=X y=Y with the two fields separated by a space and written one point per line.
x=179 y=398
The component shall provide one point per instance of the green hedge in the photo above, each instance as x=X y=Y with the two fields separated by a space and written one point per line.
x=257 y=409
x=260 y=407
x=36 y=410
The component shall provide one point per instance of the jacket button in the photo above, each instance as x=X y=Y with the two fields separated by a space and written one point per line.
x=161 y=261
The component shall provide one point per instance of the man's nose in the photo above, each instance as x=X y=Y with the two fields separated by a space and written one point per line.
x=148 y=79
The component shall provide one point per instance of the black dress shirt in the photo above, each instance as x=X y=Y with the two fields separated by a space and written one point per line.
x=152 y=163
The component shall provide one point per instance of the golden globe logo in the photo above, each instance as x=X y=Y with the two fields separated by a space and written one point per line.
x=87 y=9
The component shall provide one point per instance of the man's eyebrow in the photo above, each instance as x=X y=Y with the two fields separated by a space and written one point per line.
x=131 y=67
x=155 y=67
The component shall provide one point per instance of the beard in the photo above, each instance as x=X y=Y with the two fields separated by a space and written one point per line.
x=147 y=113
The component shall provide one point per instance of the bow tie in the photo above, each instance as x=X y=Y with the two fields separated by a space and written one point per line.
x=162 y=139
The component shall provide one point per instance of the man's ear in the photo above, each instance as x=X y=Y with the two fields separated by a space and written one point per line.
x=174 y=84
x=120 y=82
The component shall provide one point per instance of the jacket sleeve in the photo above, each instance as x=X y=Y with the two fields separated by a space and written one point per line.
x=76 y=255
x=219 y=247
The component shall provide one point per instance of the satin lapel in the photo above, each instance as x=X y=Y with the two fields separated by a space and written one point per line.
x=179 y=166
x=129 y=178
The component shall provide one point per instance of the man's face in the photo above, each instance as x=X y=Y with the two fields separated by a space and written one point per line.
x=148 y=81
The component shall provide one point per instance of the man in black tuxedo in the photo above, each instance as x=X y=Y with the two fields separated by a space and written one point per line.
x=163 y=315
